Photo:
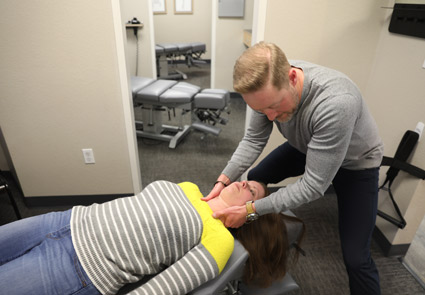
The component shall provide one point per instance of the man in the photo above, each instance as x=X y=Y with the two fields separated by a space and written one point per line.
x=331 y=138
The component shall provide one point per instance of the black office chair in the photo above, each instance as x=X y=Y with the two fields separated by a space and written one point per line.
x=397 y=163
x=5 y=187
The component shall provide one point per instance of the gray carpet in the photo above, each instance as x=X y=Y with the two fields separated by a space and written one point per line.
x=201 y=160
x=198 y=158
x=322 y=271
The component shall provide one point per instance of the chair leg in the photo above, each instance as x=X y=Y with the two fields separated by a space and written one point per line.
x=12 y=200
x=232 y=288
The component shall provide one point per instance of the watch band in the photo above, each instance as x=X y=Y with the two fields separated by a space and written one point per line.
x=251 y=215
x=249 y=208
x=219 y=181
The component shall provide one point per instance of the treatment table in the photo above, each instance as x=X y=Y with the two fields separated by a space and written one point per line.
x=230 y=279
x=156 y=96
x=171 y=52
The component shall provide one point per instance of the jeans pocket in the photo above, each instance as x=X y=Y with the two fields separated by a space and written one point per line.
x=62 y=240
x=87 y=286
x=80 y=271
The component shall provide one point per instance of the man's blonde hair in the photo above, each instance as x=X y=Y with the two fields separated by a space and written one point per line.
x=259 y=64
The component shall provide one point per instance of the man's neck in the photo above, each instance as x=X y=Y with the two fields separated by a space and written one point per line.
x=300 y=82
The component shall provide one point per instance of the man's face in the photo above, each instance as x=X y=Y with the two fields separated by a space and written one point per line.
x=276 y=104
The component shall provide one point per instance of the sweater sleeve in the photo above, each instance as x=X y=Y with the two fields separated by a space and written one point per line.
x=250 y=147
x=192 y=270
x=333 y=127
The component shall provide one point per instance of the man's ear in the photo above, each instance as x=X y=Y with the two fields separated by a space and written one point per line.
x=293 y=77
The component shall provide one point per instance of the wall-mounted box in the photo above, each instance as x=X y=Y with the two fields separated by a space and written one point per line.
x=408 y=19
x=231 y=8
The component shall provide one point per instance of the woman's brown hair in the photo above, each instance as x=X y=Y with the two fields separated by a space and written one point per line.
x=266 y=241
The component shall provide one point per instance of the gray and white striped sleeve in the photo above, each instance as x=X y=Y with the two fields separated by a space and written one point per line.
x=194 y=269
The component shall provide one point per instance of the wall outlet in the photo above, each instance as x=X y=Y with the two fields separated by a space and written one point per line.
x=88 y=156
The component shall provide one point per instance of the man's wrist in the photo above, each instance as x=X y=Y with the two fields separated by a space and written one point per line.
x=223 y=179
x=222 y=182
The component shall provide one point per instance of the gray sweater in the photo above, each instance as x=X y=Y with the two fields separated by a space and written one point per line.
x=332 y=126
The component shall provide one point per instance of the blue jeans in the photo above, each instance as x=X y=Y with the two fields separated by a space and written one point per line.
x=37 y=257
x=357 y=194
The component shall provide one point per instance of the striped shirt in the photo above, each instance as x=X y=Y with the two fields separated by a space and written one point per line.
x=165 y=231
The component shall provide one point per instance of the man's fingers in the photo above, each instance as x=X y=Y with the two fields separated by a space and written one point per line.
x=209 y=197
x=218 y=214
x=213 y=194
x=233 y=217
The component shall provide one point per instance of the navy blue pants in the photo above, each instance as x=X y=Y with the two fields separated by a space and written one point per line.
x=357 y=194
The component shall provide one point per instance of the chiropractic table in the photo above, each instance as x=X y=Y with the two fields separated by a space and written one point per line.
x=156 y=96
x=229 y=281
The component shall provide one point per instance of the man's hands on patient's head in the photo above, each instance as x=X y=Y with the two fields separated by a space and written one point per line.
x=233 y=216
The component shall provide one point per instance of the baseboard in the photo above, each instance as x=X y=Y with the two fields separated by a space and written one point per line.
x=73 y=200
x=387 y=248
x=84 y=200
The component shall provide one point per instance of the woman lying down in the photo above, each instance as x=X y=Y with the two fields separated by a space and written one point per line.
x=165 y=231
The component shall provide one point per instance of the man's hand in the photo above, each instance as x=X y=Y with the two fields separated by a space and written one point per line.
x=221 y=183
x=218 y=187
x=232 y=217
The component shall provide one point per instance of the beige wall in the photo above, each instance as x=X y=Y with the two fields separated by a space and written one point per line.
x=228 y=38
x=327 y=33
x=140 y=50
x=185 y=28
x=415 y=256
x=396 y=92
x=63 y=87
x=339 y=34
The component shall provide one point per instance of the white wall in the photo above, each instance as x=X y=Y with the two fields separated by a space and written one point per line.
x=63 y=87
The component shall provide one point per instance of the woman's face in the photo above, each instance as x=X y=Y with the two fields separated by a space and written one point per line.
x=238 y=193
